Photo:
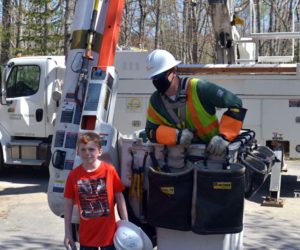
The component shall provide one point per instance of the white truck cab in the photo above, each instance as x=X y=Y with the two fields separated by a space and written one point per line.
x=30 y=94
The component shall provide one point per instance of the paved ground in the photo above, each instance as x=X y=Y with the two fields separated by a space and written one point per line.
x=27 y=223
x=270 y=228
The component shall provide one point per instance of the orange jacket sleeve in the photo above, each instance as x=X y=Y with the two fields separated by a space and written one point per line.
x=232 y=122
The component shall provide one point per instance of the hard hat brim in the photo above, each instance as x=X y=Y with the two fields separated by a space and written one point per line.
x=163 y=69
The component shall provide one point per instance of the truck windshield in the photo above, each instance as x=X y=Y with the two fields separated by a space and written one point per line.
x=23 y=80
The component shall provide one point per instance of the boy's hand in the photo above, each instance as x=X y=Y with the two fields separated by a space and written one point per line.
x=69 y=244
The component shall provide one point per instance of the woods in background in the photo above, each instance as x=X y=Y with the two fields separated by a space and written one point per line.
x=42 y=27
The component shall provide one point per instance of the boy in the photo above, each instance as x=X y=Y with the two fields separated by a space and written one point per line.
x=93 y=186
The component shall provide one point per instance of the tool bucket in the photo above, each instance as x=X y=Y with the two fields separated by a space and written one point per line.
x=266 y=155
x=174 y=157
x=218 y=198
x=256 y=174
x=195 y=152
x=170 y=199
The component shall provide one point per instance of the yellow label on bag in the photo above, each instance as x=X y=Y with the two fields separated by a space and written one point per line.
x=221 y=185
x=235 y=110
x=168 y=190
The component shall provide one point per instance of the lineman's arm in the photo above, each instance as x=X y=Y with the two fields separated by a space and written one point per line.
x=157 y=128
x=121 y=206
x=159 y=131
x=166 y=135
x=68 y=210
x=215 y=96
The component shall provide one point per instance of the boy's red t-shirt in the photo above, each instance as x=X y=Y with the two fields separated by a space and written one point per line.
x=94 y=192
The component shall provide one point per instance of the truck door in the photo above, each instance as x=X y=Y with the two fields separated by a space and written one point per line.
x=25 y=92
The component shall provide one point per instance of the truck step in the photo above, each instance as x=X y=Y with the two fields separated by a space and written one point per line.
x=32 y=143
x=25 y=162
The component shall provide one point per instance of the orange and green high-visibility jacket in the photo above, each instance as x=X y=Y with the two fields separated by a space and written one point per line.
x=202 y=99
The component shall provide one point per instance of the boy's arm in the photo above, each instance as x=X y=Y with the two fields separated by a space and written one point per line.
x=121 y=205
x=68 y=210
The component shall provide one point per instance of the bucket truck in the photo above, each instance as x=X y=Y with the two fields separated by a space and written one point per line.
x=88 y=104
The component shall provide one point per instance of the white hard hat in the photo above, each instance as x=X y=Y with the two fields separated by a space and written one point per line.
x=130 y=237
x=159 y=61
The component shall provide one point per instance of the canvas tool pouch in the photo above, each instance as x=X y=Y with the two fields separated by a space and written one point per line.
x=170 y=199
x=218 y=200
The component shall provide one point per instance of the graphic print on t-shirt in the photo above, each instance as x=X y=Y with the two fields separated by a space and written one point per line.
x=93 y=198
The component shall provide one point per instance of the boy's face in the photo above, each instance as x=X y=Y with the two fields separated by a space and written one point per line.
x=89 y=153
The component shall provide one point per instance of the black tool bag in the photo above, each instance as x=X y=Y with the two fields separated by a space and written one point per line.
x=256 y=174
x=218 y=198
x=170 y=199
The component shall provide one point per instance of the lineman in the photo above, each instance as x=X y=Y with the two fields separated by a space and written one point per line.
x=183 y=110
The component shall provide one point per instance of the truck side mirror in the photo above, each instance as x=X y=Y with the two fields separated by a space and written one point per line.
x=3 y=100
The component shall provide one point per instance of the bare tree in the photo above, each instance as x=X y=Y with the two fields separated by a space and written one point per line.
x=127 y=26
x=19 y=23
x=6 y=33
x=157 y=30
x=69 y=12
x=141 y=23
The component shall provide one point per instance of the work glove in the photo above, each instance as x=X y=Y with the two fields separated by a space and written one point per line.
x=217 y=146
x=185 y=136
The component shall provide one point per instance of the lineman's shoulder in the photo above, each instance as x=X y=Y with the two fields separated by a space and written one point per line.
x=154 y=97
x=206 y=85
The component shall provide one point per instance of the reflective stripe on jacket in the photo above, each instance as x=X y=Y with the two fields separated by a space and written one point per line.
x=206 y=125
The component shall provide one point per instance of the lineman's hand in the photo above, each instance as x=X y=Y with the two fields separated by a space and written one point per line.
x=185 y=137
x=217 y=146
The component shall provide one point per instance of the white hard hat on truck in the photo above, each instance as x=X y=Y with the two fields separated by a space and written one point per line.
x=159 y=61
x=130 y=237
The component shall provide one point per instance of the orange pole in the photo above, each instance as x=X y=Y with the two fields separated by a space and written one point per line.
x=111 y=33
x=108 y=45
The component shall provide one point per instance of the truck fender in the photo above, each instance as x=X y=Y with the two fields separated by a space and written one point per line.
x=4 y=140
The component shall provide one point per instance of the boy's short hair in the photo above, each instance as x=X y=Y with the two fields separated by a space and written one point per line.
x=89 y=136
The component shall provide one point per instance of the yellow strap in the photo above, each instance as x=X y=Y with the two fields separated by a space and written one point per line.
x=79 y=40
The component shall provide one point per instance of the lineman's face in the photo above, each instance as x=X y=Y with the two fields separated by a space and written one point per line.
x=172 y=90
x=163 y=81
x=89 y=153
x=171 y=75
